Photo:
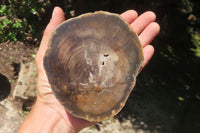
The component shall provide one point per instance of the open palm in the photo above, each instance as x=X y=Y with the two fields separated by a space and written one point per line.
x=143 y=25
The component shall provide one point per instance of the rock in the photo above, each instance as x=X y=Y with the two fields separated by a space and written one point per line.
x=114 y=126
x=27 y=82
x=10 y=119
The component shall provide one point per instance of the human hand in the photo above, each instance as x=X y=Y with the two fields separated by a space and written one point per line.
x=143 y=25
x=146 y=28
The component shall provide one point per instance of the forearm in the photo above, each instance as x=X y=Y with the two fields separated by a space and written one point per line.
x=43 y=119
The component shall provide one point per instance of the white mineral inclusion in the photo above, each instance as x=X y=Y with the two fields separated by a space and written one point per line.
x=88 y=60
x=101 y=63
x=92 y=79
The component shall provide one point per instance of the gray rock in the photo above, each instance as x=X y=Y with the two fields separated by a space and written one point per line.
x=25 y=90
x=11 y=118
x=26 y=83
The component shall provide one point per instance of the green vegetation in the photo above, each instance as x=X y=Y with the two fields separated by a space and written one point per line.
x=196 y=42
x=25 y=113
x=21 y=20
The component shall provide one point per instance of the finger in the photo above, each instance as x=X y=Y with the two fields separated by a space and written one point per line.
x=143 y=21
x=129 y=16
x=148 y=52
x=58 y=17
x=149 y=33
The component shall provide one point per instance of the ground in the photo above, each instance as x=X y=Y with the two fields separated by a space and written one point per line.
x=149 y=109
x=13 y=111
x=13 y=56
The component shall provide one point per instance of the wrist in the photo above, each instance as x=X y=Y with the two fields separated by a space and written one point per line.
x=43 y=118
x=74 y=124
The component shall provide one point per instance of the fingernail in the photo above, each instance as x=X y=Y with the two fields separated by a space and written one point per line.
x=54 y=12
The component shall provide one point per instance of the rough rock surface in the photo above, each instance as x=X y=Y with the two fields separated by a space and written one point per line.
x=11 y=118
x=13 y=109
x=26 y=83
x=114 y=126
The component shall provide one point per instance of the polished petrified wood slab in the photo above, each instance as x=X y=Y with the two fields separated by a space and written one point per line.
x=92 y=62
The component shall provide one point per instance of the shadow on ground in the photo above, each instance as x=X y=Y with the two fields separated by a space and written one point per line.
x=5 y=87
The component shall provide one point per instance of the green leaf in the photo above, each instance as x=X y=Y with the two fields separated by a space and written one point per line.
x=17 y=25
x=181 y=99
x=33 y=55
x=7 y=22
x=2 y=9
x=33 y=11
x=14 y=29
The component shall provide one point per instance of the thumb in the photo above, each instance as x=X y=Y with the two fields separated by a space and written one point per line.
x=58 y=17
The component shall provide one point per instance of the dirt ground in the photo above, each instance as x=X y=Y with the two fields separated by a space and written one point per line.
x=12 y=111
x=138 y=116
x=148 y=110
x=11 y=55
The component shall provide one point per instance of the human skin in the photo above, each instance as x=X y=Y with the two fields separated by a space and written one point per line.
x=47 y=114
